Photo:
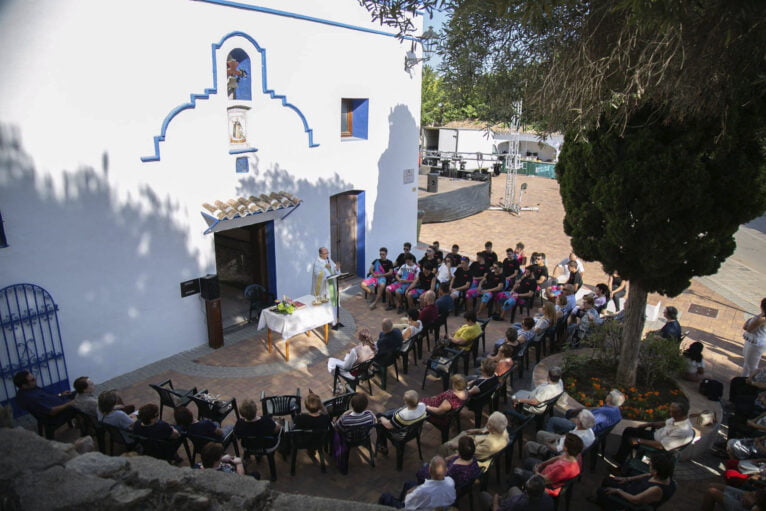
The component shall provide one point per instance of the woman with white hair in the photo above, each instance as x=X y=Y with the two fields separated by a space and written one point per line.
x=551 y=444
x=489 y=440
x=606 y=416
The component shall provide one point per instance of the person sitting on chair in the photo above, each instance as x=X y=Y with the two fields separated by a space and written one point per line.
x=557 y=470
x=426 y=281
x=523 y=290
x=532 y=498
x=358 y=416
x=405 y=275
x=445 y=303
x=649 y=489
x=399 y=419
x=400 y=259
x=51 y=409
x=462 y=467
x=532 y=402
x=429 y=258
x=251 y=425
x=538 y=269
x=389 y=342
x=429 y=313
x=438 y=254
x=315 y=417
x=478 y=271
x=108 y=413
x=489 y=440
x=149 y=425
x=465 y=336
x=490 y=257
x=491 y=286
x=441 y=404
x=486 y=373
x=511 y=268
x=213 y=458
x=605 y=416
x=551 y=444
x=86 y=401
x=672 y=328
x=360 y=353
x=436 y=492
x=412 y=327
x=668 y=435
x=461 y=279
x=454 y=256
x=381 y=270
x=202 y=427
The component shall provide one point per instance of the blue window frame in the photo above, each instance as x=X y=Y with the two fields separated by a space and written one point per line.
x=354 y=113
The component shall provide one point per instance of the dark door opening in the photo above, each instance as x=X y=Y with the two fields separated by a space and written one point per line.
x=242 y=258
x=347 y=231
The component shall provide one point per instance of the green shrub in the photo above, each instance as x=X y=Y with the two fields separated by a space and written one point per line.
x=658 y=358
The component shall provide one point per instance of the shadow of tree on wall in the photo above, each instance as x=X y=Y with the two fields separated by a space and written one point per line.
x=100 y=257
x=298 y=234
x=387 y=229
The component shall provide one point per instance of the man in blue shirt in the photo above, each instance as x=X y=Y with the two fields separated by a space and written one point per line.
x=49 y=409
x=606 y=416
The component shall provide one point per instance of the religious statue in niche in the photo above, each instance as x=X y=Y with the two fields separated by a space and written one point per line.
x=233 y=75
x=238 y=124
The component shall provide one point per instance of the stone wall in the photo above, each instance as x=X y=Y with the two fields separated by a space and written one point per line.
x=39 y=474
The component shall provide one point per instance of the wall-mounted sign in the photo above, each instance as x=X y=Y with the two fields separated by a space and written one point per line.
x=190 y=287
x=409 y=176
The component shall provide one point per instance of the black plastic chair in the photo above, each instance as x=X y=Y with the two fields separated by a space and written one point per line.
x=262 y=446
x=502 y=387
x=599 y=446
x=124 y=437
x=281 y=406
x=89 y=425
x=411 y=346
x=522 y=303
x=494 y=461
x=359 y=436
x=400 y=437
x=442 y=365
x=477 y=402
x=360 y=373
x=307 y=439
x=337 y=405
x=567 y=488
x=483 y=336
x=200 y=441
x=444 y=422
x=259 y=299
x=382 y=363
x=166 y=450
x=172 y=397
x=216 y=410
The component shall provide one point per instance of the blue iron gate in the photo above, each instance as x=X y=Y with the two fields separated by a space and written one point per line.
x=31 y=341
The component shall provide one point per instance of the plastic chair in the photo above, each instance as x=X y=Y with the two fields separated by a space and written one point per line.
x=483 y=336
x=172 y=397
x=444 y=422
x=494 y=460
x=567 y=488
x=259 y=299
x=410 y=346
x=89 y=425
x=599 y=445
x=200 y=441
x=356 y=437
x=262 y=446
x=281 y=406
x=124 y=437
x=163 y=449
x=399 y=439
x=216 y=410
x=337 y=405
x=441 y=364
x=360 y=373
x=307 y=439
x=383 y=363
x=477 y=402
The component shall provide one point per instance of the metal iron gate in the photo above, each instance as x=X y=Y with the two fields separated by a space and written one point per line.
x=31 y=341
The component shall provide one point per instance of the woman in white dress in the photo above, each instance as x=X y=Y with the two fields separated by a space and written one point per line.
x=755 y=341
x=362 y=352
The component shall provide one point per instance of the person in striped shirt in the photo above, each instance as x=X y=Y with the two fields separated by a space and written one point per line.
x=394 y=422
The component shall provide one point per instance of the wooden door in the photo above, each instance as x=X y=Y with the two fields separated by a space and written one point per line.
x=343 y=215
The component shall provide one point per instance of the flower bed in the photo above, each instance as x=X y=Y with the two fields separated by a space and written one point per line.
x=590 y=382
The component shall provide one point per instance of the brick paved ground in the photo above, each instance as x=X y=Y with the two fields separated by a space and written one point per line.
x=244 y=369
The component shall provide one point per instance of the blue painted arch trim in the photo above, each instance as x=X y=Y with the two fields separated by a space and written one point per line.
x=193 y=98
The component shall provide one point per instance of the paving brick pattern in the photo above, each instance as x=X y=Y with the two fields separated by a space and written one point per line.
x=244 y=369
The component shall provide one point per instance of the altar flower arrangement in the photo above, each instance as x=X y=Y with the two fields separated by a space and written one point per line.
x=285 y=306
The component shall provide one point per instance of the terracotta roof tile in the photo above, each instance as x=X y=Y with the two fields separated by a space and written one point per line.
x=244 y=206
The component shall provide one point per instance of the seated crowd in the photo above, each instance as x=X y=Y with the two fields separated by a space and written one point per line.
x=427 y=291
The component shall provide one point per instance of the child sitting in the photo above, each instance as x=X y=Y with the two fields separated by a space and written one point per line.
x=695 y=364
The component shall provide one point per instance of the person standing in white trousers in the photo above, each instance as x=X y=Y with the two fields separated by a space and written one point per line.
x=755 y=341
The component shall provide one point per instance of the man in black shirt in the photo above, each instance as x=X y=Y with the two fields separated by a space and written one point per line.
x=538 y=268
x=523 y=290
x=428 y=258
x=400 y=258
x=438 y=254
x=454 y=256
x=426 y=281
x=460 y=280
x=478 y=271
x=381 y=270
x=492 y=284
x=490 y=257
x=511 y=266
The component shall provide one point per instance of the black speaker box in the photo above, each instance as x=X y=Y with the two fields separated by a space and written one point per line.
x=209 y=287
